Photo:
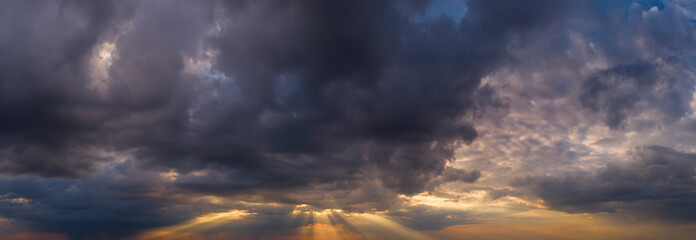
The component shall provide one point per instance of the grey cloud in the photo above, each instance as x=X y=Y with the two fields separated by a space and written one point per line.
x=429 y=218
x=641 y=75
x=657 y=181
x=601 y=59
x=311 y=92
x=56 y=110
x=452 y=174
x=616 y=91
x=306 y=103
x=109 y=204
x=45 y=108
x=340 y=104
x=370 y=90
x=349 y=98
x=40 y=160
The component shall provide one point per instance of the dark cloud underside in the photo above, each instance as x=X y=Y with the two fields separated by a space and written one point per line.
x=120 y=116
x=657 y=181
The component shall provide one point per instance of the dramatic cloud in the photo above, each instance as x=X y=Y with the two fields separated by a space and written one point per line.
x=220 y=119
x=292 y=93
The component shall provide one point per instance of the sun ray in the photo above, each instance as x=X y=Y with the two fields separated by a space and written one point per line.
x=306 y=223
x=199 y=224
x=374 y=226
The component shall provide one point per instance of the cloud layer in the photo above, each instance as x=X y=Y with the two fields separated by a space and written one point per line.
x=122 y=117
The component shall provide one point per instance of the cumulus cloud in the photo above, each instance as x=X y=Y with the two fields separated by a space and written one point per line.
x=256 y=95
x=287 y=94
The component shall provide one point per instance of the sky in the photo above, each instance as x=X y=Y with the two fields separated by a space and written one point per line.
x=313 y=119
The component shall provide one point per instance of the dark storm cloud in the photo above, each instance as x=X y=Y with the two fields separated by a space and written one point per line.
x=336 y=104
x=106 y=204
x=43 y=106
x=57 y=114
x=657 y=181
x=310 y=92
x=349 y=97
x=316 y=92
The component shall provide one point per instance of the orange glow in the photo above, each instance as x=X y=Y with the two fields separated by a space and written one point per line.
x=36 y=236
x=503 y=221
x=198 y=224
x=323 y=231
x=543 y=224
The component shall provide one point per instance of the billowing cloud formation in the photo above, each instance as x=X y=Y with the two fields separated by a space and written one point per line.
x=291 y=93
x=119 y=117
